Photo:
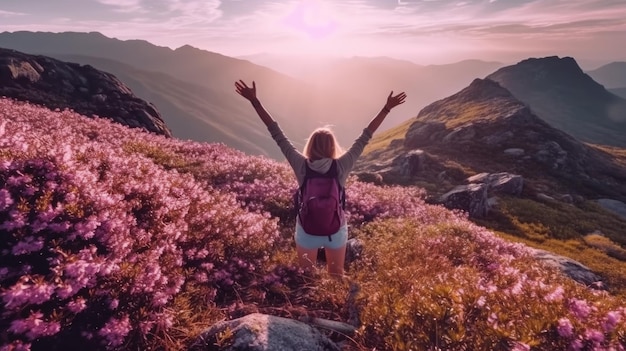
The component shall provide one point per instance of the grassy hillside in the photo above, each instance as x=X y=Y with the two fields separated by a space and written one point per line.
x=564 y=228
x=114 y=239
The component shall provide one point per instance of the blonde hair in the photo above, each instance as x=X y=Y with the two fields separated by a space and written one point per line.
x=322 y=144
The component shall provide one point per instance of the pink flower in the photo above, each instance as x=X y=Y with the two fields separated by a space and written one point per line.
x=115 y=331
x=5 y=199
x=77 y=305
x=555 y=295
x=611 y=320
x=565 y=328
x=580 y=308
x=34 y=326
x=594 y=335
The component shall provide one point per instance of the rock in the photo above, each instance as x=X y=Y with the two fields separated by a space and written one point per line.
x=545 y=198
x=615 y=206
x=354 y=250
x=501 y=183
x=479 y=178
x=411 y=163
x=396 y=143
x=571 y=268
x=370 y=177
x=260 y=332
x=61 y=85
x=471 y=198
x=506 y=183
x=423 y=133
x=567 y=198
x=498 y=138
x=460 y=135
x=551 y=154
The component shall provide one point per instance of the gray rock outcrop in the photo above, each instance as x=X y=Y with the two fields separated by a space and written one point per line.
x=261 y=332
x=571 y=268
x=471 y=198
x=56 y=84
x=500 y=183
x=615 y=206
x=410 y=163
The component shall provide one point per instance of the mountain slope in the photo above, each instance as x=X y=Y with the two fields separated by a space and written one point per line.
x=60 y=85
x=611 y=76
x=621 y=92
x=474 y=127
x=298 y=107
x=558 y=91
x=118 y=239
x=185 y=109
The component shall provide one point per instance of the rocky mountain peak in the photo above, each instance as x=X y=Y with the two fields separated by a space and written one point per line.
x=546 y=72
x=484 y=89
x=56 y=84
x=559 y=92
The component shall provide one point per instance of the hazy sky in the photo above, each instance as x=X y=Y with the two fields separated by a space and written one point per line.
x=425 y=31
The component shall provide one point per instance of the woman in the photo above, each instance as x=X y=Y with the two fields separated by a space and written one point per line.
x=320 y=151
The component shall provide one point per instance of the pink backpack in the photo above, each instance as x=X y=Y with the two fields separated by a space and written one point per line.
x=320 y=202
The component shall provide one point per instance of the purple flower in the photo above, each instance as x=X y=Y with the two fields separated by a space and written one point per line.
x=565 y=328
x=580 y=308
x=5 y=199
x=115 y=331
x=611 y=320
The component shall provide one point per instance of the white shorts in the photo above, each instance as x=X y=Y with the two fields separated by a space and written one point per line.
x=308 y=241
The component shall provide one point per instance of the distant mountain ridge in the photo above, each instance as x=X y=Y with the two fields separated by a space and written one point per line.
x=612 y=75
x=559 y=92
x=297 y=107
x=375 y=76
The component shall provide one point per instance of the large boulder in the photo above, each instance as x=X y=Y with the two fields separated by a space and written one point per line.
x=500 y=183
x=551 y=154
x=410 y=163
x=571 y=268
x=56 y=84
x=423 y=133
x=261 y=332
x=615 y=206
x=471 y=198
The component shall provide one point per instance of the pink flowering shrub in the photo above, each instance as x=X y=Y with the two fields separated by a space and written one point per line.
x=456 y=286
x=97 y=242
x=113 y=239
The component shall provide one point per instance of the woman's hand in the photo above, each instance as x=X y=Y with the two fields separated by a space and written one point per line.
x=393 y=101
x=245 y=91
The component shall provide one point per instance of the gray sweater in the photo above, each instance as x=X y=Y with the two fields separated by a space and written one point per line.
x=297 y=160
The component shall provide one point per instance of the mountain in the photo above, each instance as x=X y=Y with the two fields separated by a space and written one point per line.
x=471 y=131
x=621 y=92
x=185 y=107
x=612 y=75
x=59 y=85
x=376 y=76
x=558 y=91
x=297 y=106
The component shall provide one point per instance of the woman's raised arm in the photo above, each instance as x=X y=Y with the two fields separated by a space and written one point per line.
x=392 y=101
x=250 y=93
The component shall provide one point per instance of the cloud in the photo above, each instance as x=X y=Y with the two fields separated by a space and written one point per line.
x=10 y=13
x=125 y=6
x=245 y=26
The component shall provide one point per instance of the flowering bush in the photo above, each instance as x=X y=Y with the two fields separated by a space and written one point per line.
x=455 y=286
x=112 y=238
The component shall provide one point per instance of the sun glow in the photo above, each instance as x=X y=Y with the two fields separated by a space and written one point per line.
x=313 y=18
